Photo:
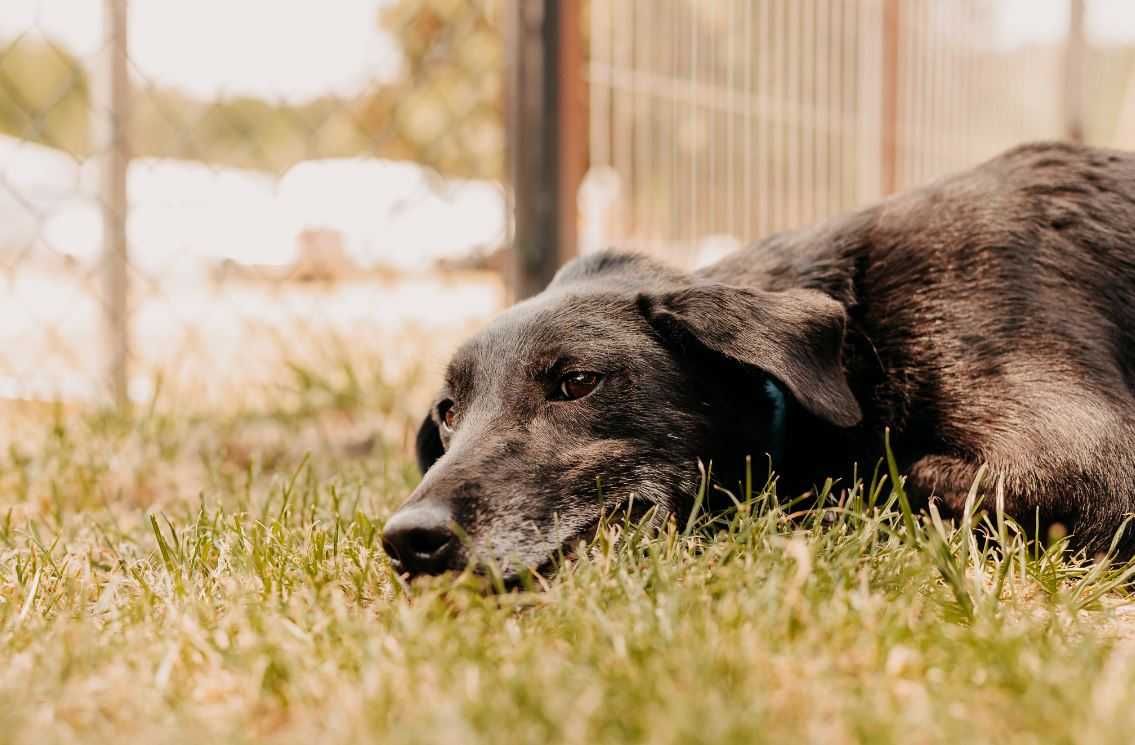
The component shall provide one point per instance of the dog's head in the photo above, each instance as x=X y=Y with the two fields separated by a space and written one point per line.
x=602 y=394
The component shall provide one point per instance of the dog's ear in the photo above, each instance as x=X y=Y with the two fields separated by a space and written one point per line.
x=796 y=336
x=428 y=444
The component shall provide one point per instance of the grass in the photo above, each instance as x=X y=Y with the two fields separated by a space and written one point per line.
x=218 y=578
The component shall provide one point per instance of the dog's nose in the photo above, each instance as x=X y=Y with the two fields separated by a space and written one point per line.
x=418 y=539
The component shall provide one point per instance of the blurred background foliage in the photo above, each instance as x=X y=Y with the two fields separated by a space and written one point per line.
x=444 y=110
x=451 y=74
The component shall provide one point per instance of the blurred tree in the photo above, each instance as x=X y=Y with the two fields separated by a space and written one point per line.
x=44 y=95
x=446 y=109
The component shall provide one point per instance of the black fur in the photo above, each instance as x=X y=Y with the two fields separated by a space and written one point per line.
x=988 y=318
x=427 y=445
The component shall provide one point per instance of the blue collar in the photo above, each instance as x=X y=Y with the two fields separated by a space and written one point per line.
x=779 y=410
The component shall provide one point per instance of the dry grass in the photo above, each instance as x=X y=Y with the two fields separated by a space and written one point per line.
x=205 y=577
x=221 y=343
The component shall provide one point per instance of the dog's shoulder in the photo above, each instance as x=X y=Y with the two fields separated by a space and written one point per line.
x=1049 y=159
x=820 y=257
x=1016 y=187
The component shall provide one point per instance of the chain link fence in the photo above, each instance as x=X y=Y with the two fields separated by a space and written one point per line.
x=206 y=201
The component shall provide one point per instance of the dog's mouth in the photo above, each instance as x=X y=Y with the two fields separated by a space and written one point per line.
x=625 y=516
x=628 y=515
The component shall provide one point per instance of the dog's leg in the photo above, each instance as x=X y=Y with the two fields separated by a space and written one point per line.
x=1091 y=500
x=941 y=478
x=947 y=482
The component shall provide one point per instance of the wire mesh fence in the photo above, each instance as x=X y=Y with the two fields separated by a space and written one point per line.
x=718 y=123
x=291 y=186
x=168 y=223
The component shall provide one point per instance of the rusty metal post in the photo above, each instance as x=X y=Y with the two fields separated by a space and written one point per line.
x=547 y=137
x=110 y=116
x=1074 y=73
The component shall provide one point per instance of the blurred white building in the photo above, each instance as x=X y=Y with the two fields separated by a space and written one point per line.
x=186 y=217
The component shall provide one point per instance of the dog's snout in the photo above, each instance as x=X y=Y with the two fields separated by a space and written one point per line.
x=419 y=540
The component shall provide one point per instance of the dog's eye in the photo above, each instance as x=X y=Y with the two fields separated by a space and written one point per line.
x=447 y=412
x=578 y=384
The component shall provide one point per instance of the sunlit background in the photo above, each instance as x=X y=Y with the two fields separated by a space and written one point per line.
x=310 y=183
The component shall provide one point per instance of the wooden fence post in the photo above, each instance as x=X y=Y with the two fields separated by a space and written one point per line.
x=547 y=136
x=110 y=116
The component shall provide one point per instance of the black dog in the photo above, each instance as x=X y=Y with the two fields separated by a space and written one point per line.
x=988 y=318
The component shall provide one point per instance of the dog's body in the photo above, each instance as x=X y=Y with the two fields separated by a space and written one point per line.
x=988 y=318
x=991 y=319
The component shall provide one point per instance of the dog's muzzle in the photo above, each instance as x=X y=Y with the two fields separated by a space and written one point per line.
x=419 y=539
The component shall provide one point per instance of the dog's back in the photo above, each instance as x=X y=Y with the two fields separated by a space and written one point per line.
x=991 y=320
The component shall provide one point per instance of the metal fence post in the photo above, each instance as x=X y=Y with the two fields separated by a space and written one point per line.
x=892 y=29
x=547 y=138
x=110 y=116
x=1074 y=77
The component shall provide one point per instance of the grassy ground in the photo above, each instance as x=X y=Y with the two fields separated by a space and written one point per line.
x=197 y=578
